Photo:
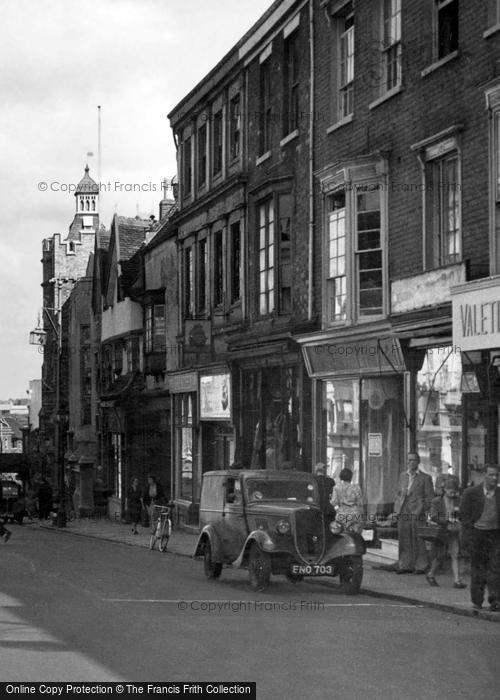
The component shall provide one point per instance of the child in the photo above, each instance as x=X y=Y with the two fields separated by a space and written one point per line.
x=444 y=511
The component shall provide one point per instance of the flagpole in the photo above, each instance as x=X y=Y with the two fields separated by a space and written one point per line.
x=99 y=146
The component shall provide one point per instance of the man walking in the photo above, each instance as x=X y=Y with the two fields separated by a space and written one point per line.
x=480 y=516
x=412 y=502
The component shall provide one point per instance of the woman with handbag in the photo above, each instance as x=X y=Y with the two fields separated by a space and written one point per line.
x=444 y=512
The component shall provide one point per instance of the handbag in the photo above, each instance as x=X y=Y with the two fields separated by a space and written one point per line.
x=431 y=532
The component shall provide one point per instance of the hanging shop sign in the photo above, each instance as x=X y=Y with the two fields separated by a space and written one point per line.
x=476 y=315
x=215 y=396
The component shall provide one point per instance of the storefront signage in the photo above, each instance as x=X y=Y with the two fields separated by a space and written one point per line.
x=374 y=444
x=215 y=397
x=425 y=289
x=373 y=355
x=182 y=383
x=476 y=315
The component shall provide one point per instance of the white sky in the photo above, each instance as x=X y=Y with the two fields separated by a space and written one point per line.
x=60 y=59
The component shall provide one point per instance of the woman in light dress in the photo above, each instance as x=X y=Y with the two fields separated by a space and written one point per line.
x=347 y=499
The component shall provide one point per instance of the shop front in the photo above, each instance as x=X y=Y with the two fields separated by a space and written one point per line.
x=185 y=478
x=476 y=335
x=272 y=415
x=216 y=413
x=202 y=433
x=359 y=412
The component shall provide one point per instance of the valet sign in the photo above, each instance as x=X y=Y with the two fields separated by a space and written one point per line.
x=215 y=397
x=476 y=315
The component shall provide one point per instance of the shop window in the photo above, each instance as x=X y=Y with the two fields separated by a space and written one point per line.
x=439 y=412
x=271 y=418
x=446 y=27
x=155 y=329
x=362 y=428
x=291 y=84
x=355 y=276
x=185 y=445
x=117 y=462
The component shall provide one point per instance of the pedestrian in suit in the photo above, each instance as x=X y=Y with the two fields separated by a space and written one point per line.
x=134 y=503
x=413 y=500
x=325 y=486
x=480 y=516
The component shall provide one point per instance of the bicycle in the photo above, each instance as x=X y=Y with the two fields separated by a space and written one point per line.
x=162 y=527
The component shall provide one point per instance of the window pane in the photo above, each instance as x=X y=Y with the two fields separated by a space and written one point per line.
x=371 y=260
x=368 y=240
x=368 y=220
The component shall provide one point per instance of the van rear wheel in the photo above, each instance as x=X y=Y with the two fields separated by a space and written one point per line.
x=212 y=568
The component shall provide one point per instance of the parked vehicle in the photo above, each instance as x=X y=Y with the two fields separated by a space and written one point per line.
x=12 y=505
x=270 y=522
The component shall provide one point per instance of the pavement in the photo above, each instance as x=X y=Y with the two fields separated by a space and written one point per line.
x=409 y=588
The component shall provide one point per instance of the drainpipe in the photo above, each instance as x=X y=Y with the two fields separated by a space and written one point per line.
x=311 y=160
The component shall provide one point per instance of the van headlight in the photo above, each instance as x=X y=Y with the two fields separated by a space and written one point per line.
x=283 y=526
x=336 y=527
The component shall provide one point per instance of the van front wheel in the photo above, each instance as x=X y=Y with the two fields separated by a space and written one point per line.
x=212 y=568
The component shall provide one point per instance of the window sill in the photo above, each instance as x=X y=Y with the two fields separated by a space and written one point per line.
x=292 y=135
x=262 y=158
x=339 y=124
x=438 y=64
x=387 y=96
x=492 y=30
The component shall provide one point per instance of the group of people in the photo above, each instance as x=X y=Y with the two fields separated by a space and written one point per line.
x=471 y=521
x=140 y=500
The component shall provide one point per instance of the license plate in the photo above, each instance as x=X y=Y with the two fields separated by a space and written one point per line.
x=368 y=535
x=312 y=569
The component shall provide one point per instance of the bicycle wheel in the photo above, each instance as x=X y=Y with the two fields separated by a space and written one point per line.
x=152 y=541
x=165 y=535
